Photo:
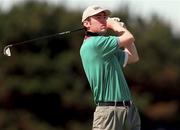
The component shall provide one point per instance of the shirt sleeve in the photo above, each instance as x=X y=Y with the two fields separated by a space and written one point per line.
x=107 y=45
x=122 y=57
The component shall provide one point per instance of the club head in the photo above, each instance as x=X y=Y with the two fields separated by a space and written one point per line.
x=7 y=50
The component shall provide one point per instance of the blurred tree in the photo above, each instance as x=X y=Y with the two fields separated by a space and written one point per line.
x=45 y=80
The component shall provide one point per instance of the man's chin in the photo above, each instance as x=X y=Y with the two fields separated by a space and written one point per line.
x=103 y=31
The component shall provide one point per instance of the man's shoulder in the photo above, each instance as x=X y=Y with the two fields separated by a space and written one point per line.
x=98 y=39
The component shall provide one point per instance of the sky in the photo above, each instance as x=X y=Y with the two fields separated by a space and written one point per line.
x=168 y=10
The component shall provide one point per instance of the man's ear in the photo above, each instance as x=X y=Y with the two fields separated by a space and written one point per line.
x=86 y=24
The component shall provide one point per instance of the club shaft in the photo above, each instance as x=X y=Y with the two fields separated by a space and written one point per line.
x=45 y=37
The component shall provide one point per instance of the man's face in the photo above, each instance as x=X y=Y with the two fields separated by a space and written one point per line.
x=97 y=23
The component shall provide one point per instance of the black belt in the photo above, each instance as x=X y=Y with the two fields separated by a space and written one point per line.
x=119 y=103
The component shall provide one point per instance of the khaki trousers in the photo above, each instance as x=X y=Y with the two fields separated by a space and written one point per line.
x=116 y=118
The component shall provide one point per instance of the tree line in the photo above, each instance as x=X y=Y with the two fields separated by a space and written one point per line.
x=43 y=85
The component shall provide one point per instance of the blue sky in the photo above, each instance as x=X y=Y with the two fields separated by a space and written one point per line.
x=168 y=10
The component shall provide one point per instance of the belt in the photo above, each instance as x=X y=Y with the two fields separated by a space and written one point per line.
x=119 y=103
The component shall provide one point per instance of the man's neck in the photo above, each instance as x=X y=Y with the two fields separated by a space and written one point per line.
x=88 y=34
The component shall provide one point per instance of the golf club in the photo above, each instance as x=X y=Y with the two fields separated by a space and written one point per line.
x=7 y=50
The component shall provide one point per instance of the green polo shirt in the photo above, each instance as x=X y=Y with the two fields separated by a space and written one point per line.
x=103 y=61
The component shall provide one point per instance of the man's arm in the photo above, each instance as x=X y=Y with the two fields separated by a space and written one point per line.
x=131 y=50
x=126 y=40
x=125 y=37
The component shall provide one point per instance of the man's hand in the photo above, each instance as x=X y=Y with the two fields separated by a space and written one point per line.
x=112 y=22
x=123 y=34
x=116 y=19
x=115 y=25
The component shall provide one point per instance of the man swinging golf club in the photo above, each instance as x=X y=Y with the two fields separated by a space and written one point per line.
x=103 y=59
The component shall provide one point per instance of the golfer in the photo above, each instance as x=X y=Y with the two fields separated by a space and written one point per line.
x=103 y=58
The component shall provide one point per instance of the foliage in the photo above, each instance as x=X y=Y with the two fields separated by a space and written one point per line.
x=53 y=67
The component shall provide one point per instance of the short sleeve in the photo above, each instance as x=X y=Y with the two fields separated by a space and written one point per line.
x=107 y=45
x=122 y=57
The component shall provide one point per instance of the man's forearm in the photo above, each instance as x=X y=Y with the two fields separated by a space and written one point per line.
x=132 y=53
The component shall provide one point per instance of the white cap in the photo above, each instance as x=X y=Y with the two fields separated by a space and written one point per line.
x=93 y=10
